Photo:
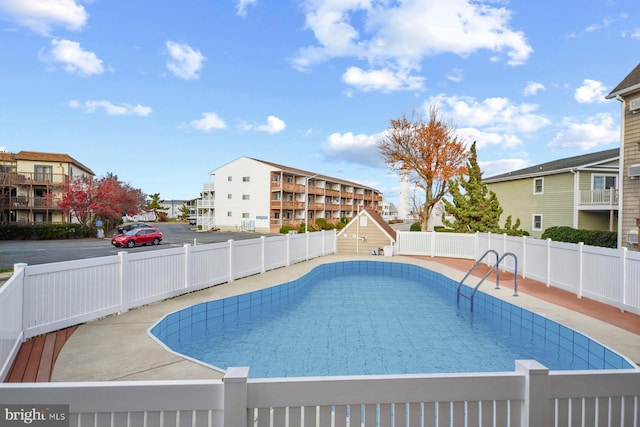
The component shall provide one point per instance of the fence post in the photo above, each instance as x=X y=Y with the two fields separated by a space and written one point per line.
x=124 y=305
x=235 y=396
x=230 y=241
x=187 y=262
x=263 y=246
x=581 y=268
x=323 y=242
x=523 y=264
x=548 y=280
x=625 y=283
x=535 y=408
x=433 y=243
x=288 y=250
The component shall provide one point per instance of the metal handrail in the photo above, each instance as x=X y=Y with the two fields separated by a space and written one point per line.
x=494 y=266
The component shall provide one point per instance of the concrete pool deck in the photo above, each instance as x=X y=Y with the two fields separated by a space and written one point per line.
x=119 y=347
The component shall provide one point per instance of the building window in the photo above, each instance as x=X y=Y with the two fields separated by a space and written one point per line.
x=245 y=214
x=245 y=197
x=246 y=179
x=289 y=179
x=229 y=196
x=229 y=213
x=537 y=222
x=276 y=196
x=43 y=173
x=604 y=182
x=229 y=178
x=276 y=215
x=538 y=186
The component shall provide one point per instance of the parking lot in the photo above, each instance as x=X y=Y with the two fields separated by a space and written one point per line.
x=46 y=251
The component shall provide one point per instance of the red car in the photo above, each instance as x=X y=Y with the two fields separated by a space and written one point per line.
x=138 y=236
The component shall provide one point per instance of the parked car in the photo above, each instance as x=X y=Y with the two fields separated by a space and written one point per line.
x=137 y=237
x=126 y=227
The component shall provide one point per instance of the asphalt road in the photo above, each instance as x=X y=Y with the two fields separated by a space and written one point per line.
x=46 y=251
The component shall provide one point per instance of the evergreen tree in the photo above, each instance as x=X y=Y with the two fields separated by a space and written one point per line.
x=474 y=207
x=156 y=207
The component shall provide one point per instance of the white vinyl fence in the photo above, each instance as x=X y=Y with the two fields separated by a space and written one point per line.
x=611 y=276
x=528 y=396
x=43 y=298
x=38 y=299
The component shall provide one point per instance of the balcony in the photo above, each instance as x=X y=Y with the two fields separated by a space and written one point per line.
x=31 y=178
x=208 y=187
x=598 y=199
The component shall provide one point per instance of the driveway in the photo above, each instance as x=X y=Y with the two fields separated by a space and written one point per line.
x=47 y=251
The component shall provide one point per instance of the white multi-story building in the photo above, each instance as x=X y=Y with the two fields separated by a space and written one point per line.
x=254 y=195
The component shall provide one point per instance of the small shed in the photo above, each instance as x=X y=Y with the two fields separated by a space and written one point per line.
x=366 y=234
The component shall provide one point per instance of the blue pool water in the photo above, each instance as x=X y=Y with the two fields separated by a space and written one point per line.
x=366 y=317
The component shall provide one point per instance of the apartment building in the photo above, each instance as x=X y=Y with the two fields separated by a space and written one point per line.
x=32 y=184
x=255 y=195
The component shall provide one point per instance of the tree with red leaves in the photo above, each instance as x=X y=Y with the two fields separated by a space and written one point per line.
x=106 y=199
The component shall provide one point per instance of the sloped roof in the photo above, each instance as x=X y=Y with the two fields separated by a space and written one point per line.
x=557 y=166
x=629 y=84
x=35 y=156
x=380 y=222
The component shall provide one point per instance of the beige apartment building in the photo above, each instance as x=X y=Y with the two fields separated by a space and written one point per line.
x=32 y=184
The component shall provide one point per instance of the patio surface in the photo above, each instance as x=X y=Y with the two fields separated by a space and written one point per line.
x=119 y=347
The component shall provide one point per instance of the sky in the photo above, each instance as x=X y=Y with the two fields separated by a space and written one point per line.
x=162 y=92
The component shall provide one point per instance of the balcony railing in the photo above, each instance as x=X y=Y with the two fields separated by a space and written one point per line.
x=608 y=197
x=26 y=202
x=33 y=178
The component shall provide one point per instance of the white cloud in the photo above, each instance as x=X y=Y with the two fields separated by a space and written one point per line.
x=208 y=122
x=350 y=148
x=497 y=167
x=241 y=8
x=384 y=80
x=74 y=59
x=533 y=88
x=596 y=131
x=455 y=75
x=111 y=109
x=274 y=125
x=184 y=62
x=490 y=114
x=402 y=33
x=635 y=34
x=485 y=139
x=591 y=91
x=42 y=16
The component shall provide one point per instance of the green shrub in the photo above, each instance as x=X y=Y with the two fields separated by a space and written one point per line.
x=415 y=227
x=46 y=231
x=321 y=223
x=285 y=229
x=341 y=225
x=605 y=239
x=442 y=229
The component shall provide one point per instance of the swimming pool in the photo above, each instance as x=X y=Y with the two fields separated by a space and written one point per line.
x=370 y=317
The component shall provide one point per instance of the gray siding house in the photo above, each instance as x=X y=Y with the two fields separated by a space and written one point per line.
x=628 y=93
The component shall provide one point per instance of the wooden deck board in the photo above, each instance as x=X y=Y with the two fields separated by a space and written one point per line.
x=37 y=356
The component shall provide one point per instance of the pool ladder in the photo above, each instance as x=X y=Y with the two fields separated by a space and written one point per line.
x=495 y=266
